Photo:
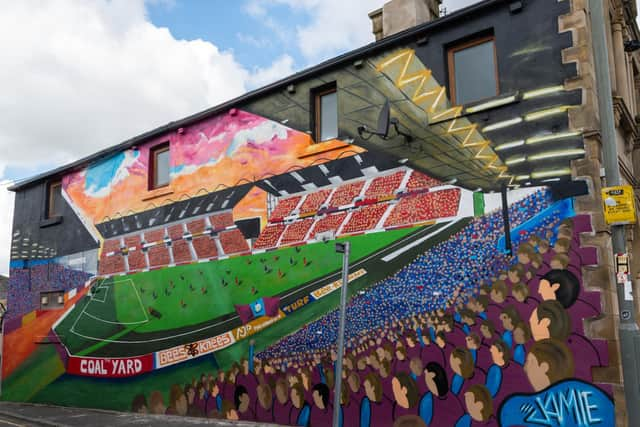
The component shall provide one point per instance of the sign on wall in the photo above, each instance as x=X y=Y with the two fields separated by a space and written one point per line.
x=618 y=204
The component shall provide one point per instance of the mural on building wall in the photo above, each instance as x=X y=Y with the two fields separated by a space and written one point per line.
x=193 y=309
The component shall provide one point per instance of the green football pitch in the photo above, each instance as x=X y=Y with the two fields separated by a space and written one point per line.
x=181 y=296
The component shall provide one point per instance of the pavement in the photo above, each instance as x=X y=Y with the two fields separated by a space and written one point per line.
x=24 y=414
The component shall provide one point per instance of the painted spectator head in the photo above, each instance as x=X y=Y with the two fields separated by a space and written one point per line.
x=282 y=392
x=178 y=400
x=543 y=246
x=560 y=285
x=515 y=273
x=441 y=340
x=562 y=246
x=354 y=382
x=241 y=399
x=472 y=341
x=536 y=261
x=524 y=253
x=229 y=411
x=409 y=421
x=520 y=292
x=548 y=362
x=500 y=353
x=487 y=329
x=190 y=392
x=139 y=404
x=415 y=365
x=550 y=320
x=297 y=396
x=373 y=387
x=478 y=401
x=461 y=362
x=320 y=395
x=401 y=353
x=435 y=378
x=405 y=390
x=499 y=291
x=467 y=316
x=385 y=369
x=559 y=262
x=362 y=362
x=482 y=303
x=411 y=338
x=509 y=317
x=265 y=396
x=521 y=333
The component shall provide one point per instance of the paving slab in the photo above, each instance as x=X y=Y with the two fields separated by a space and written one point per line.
x=27 y=415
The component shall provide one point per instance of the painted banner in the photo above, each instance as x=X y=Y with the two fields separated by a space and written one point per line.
x=117 y=367
x=185 y=352
x=326 y=290
x=256 y=325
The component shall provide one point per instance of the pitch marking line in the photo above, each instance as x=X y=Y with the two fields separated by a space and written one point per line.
x=106 y=288
x=357 y=264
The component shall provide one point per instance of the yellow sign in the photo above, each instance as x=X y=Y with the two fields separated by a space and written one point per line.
x=619 y=206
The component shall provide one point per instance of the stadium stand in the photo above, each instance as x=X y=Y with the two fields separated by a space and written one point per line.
x=364 y=218
x=159 y=253
x=205 y=247
x=233 y=242
x=384 y=186
x=222 y=220
x=345 y=194
x=424 y=207
x=269 y=236
x=197 y=226
x=135 y=256
x=419 y=181
x=313 y=201
x=296 y=231
x=284 y=207
x=329 y=222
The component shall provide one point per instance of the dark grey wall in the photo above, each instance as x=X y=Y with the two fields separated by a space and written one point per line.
x=33 y=235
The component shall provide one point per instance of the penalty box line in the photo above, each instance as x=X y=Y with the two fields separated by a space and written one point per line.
x=106 y=288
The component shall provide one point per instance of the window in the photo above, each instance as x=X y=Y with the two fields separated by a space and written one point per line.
x=54 y=200
x=51 y=300
x=473 y=71
x=326 y=114
x=159 y=167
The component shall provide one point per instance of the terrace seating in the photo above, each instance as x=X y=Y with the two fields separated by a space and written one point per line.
x=365 y=218
x=114 y=263
x=233 y=242
x=269 y=236
x=181 y=251
x=284 y=207
x=296 y=231
x=135 y=256
x=329 y=222
x=419 y=181
x=384 y=185
x=158 y=253
x=221 y=221
x=313 y=201
x=424 y=207
x=205 y=247
x=197 y=226
x=345 y=194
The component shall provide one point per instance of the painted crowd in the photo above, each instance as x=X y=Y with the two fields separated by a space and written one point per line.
x=446 y=341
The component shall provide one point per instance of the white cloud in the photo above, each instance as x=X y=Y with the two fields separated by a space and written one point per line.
x=280 y=68
x=334 y=26
x=78 y=76
x=6 y=219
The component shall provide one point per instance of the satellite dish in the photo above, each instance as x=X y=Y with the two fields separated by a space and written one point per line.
x=384 y=119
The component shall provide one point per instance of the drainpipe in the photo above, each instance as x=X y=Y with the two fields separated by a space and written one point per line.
x=627 y=327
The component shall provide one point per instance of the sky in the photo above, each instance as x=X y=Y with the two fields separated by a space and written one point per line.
x=82 y=75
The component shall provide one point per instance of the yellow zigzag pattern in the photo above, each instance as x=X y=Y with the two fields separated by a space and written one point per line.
x=430 y=96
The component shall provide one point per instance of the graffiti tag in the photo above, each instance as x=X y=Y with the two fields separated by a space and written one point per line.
x=568 y=403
